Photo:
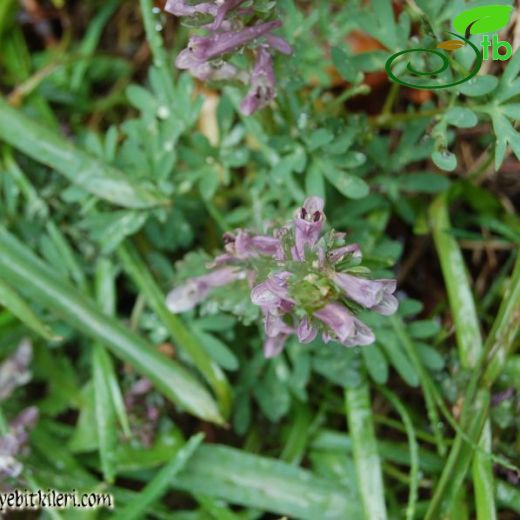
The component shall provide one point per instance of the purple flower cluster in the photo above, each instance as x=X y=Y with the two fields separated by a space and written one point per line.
x=304 y=282
x=205 y=56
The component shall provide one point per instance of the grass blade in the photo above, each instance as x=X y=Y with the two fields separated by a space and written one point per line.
x=106 y=297
x=11 y=300
x=80 y=168
x=462 y=304
x=366 y=456
x=105 y=413
x=18 y=263
x=137 y=507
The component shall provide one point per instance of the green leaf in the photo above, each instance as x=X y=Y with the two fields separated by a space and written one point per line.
x=376 y=364
x=423 y=329
x=398 y=358
x=105 y=413
x=343 y=64
x=479 y=86
x=83 y=170
x=485 y=19
x=509 y=84
x=20 y=265
x=11 y=300
x=347 y=184
x=461 y=117
x=272 y=395
x=319 y=138
x=506 y=135
x=266 y=484
x=217 y=350
x=430 y=357
x=445 y=160
x=110 y=229
x=314 y=183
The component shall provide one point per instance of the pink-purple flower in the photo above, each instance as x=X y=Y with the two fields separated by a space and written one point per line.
x=305 y=282
x=233 y=29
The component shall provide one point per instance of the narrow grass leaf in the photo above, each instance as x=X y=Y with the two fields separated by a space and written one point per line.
x=11 y=300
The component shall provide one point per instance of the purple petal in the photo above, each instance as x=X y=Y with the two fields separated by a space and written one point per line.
x=278 y=43
x=223 y=10
x=262 y=90
x=336 y=255
x=186 y=296
x=207 y=47
x=338 y=319
x=308 y=223
x=272 y=291
x=273 y=346
x=262 y=295
x=372 y=294
x=208 y=71
x=305 y=331
x=387 y=306
x=275 y=325
x=362 y=335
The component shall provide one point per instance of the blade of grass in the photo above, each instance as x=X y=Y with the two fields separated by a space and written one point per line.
x=366 y=456
x=160 y=58
x=467 y=329
x=469 y=339
x=80 y=168
x=18 y=263
x=106 y=297
x=184 y=339
x=160 y=483
x=105 y=413
x=91 y=40
x=11 y=300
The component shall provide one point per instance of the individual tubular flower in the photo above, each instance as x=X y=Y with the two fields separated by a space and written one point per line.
x=304 y=282
x=187 y=296
x=262 y=90
x=376 y=295
x=233 y=30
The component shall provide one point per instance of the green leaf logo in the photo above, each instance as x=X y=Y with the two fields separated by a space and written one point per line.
x=485 y=19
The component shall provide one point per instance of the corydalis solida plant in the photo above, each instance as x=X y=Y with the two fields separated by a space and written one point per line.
x=232 y=26
x=304 y=282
